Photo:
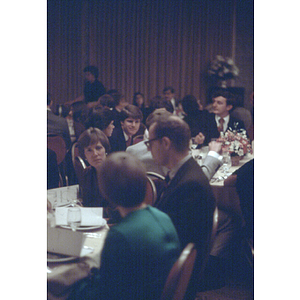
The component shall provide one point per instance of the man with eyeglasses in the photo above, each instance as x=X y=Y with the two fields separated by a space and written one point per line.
x=188 y=198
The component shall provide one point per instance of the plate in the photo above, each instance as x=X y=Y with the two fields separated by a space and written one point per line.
x=55 y=257
x=82 y=228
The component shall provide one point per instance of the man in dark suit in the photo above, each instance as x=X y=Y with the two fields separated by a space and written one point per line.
x=57 y=125
x=221 y=120
x=169 y=95
x=188 y=199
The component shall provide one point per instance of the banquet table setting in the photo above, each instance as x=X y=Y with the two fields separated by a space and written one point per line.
x=71 y=252
x=74 y=246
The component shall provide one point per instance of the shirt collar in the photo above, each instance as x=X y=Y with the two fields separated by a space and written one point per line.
x=226 y=119
x=126 y=136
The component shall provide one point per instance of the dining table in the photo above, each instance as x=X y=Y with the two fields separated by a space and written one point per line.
x=223 y=182
x=224 y=188
x=64 y=271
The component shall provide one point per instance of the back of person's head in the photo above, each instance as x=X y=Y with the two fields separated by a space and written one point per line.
x=189 y=104
x=169 y=88
x=230 y=98
x=159 y=102
x=116 y=95
x=131 y=111
x=101 y=118
x=122 y=179
x=175 y=129
x=79 y=111
x=91 y=137
x=93 y=70
x=155 y=115
x=107 y=101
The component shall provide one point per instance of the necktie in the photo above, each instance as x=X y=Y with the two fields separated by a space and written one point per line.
x=167 y=178
x=128 y=142
x=220 y=128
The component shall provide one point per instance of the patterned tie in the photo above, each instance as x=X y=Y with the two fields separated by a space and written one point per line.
x=220 y=128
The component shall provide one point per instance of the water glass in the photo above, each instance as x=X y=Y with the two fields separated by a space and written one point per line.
x=74 y=217
x=226 y=162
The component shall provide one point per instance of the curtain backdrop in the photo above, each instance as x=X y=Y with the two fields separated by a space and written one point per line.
x=138 y=45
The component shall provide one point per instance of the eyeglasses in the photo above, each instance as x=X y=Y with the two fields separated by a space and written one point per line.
x=148 y=143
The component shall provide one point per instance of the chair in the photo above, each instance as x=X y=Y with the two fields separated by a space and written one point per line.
x=151 y=193
x=78 y=163
x=159 y=182
x=209 y=243
x=57 y=144
x=179 y=276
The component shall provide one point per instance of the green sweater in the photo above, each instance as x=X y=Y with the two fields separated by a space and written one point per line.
x=137 y=256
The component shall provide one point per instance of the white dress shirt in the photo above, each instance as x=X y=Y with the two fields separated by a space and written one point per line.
x=225 y=124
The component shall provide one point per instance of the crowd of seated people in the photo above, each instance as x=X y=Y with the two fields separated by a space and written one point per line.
x=110 y=124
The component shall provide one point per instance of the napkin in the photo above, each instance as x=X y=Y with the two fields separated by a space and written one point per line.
x=90 y=216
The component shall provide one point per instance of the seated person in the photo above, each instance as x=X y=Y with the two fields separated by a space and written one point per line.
x=194 y=116
x=122 y=137
x=220 y=120
x=119 y=103
x=93 y=146
x=140 y=251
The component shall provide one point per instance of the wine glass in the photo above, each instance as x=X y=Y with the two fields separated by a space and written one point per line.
x=226 y=162
x=74 y=217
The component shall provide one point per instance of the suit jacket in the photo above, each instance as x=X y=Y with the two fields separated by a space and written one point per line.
x=117 y=140
x=190 y=203
x=137 y=256
x=211 y=128
x=58 y=126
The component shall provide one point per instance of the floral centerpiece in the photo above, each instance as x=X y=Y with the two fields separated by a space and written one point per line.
x=235 y=142
x=222 y=69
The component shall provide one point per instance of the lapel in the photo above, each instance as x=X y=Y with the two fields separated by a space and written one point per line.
x=174 y=182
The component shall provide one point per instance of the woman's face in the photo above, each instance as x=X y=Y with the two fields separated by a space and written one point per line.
x=139 y=100
x=109 y=129
x=95 y=154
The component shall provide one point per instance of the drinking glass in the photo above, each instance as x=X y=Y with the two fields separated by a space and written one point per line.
x=194 y=144
x=226 y=162
x=74 y=217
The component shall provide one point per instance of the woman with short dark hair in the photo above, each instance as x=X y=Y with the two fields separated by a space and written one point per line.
x=93 y=146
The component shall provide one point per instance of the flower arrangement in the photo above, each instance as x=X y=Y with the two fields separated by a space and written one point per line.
x=236 y=142
x=223 y=68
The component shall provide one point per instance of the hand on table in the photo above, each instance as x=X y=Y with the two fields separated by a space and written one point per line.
x=199 y=138
x=215 y=146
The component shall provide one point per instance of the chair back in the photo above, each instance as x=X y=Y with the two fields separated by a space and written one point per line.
x=78 y=162
x=57 y=144
x=151 y=194
x=209 y=243
x=159 y=182
x=179 y=276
